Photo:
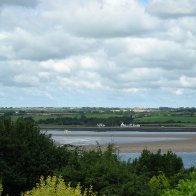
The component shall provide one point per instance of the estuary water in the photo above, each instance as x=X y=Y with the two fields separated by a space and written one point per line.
x=87 y=140
x=115 y=137
x=66 y=132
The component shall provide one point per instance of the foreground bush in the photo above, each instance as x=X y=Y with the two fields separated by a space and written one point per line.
x=154 y=163
x=106 y=173
x=184 y=188
x=25 y=155
x=54 y=186
x=158 y=184
x=1 y=189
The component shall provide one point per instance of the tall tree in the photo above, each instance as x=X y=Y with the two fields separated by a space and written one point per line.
x=25 y=155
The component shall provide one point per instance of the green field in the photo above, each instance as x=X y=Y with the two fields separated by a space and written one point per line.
x=156 y=117
x=37 y=117
x=104 y=115
x=166 y=119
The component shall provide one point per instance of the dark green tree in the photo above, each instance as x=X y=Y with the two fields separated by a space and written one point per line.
x=155 y=163
x=25 y=155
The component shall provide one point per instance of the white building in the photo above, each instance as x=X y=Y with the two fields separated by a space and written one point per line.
x=100 y=125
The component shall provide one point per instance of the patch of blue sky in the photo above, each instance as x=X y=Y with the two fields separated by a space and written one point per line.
x=144 y=2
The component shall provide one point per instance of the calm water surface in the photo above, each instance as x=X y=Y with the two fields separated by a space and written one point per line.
x=66 y=137
x=82 y=138
x=61 y=132
x=86 y=140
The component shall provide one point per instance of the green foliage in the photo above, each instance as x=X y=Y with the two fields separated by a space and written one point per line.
x=25 y=155
x=54 y=186
x=100 y=169
x=1 y=189
x=168 y=118
x=158 y=183
x=111 y=116
x=184 y=188
x=92 y=120
x=154 y=163
x=137 y=185
x=2 y=125
x=183 y=174
x=105 y=173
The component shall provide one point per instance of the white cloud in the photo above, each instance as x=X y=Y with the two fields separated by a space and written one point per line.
x=188 y=81
x=179 y=92
x=172 y=8
x=117 y=50
x=18 y=2
x=102 y=19
x=62 y=66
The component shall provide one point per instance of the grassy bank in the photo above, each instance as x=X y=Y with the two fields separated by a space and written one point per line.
x=85 y=117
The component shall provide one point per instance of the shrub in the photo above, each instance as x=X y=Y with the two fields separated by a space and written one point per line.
x=54 y=186
x=1 y=189
x=154 y=163
x=158 y=183
x=184 y=188
x=25 y=155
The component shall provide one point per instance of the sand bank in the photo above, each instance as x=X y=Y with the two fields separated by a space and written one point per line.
x=186 y=145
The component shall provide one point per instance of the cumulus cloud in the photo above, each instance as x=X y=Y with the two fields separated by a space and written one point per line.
x=18 y=2
x=188 y=81
x=172 y=8
x=110 y=51
x=22 y=44
x=103 y=19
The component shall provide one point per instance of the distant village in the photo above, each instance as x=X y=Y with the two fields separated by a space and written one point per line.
x=121 y=125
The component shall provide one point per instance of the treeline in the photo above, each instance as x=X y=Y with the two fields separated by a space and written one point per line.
x=84 y=121
x=26 y=155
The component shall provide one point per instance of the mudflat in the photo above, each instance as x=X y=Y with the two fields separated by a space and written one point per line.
x=186 y=144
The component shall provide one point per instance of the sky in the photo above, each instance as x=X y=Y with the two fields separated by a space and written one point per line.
x=98 y=53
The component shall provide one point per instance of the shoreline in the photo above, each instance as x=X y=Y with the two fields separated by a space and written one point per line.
x=188 y=144
x=174 y=146
x=139 y=129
